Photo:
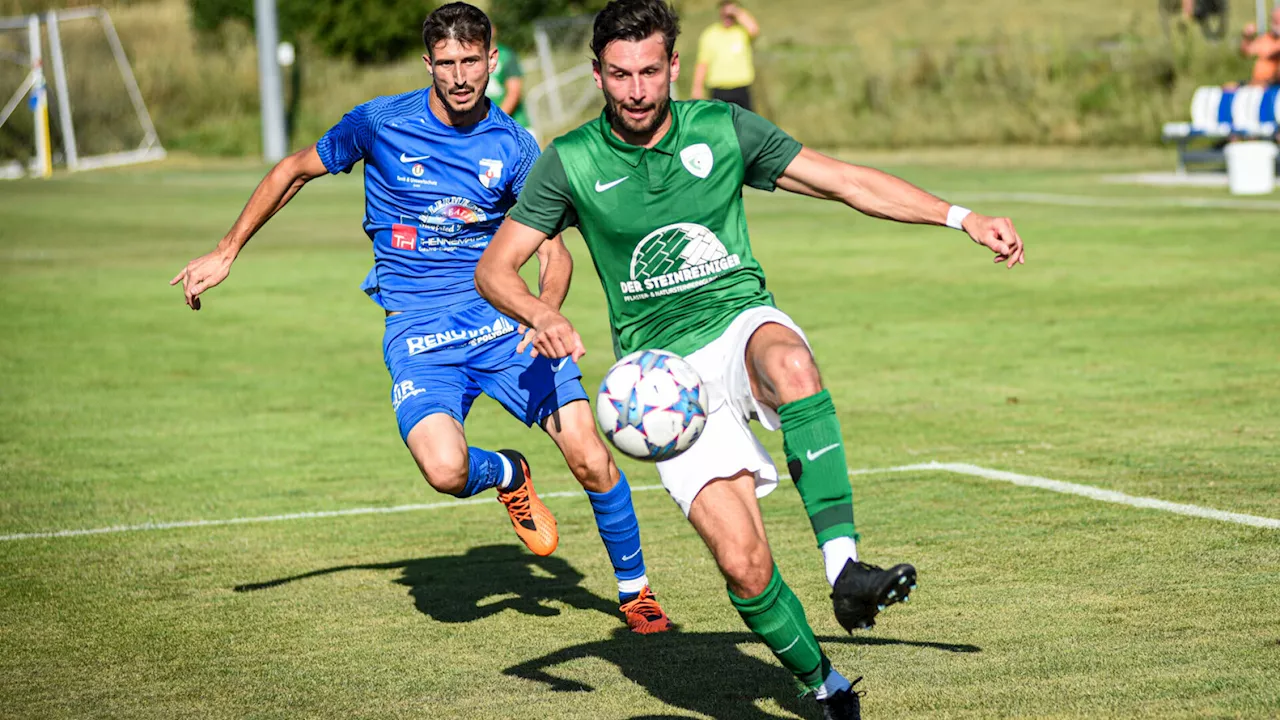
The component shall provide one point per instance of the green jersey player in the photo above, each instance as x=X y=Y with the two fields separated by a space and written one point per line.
x=656 y=188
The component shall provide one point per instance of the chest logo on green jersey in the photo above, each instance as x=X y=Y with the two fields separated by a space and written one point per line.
x=698 y=160
x=676 y=258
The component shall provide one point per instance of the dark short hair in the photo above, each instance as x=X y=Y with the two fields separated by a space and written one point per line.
x=634 y=20
x=457 y=21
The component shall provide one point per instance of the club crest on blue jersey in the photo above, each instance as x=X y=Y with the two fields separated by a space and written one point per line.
x=490 y=172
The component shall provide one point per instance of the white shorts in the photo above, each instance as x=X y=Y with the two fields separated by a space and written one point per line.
x=727 y=446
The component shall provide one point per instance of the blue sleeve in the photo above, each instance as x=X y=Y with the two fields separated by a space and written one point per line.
x=348 y=142
x=529 y=152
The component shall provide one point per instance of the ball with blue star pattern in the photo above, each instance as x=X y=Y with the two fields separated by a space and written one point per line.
x=652 y=405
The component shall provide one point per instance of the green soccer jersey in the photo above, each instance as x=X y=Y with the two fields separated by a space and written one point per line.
x=508 y=67
x=664 y=225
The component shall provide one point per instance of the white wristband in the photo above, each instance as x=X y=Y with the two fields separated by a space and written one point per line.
x=956 y=216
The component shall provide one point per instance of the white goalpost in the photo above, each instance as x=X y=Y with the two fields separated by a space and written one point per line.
x=121 y=134
x=564 y=93
x=562 y=90
x=21 y=55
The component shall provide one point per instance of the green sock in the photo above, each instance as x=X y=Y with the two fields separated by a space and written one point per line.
x=815 y=456
x=777 y=617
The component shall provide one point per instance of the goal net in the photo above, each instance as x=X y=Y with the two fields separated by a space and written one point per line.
x=74 y=98
x=562 y=92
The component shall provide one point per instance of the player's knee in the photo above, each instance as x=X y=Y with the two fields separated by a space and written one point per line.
x=446 y=475
x=794 y=372
x=748 y=570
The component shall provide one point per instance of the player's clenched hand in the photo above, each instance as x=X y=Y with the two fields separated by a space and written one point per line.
x=555 y=337
x=998 y=235
x=202 y=274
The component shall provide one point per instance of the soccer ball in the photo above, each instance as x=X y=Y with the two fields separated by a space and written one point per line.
x=652 y=405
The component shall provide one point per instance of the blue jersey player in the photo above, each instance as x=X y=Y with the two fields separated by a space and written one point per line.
x=442 y=166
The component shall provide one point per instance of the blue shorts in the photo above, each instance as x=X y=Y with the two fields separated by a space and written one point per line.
x=440 y=362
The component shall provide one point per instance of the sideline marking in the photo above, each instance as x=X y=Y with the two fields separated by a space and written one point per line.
x=279 y=518
x=1033 y=198
x=1089 y=491
x=1058 y=486
x=1089 y=201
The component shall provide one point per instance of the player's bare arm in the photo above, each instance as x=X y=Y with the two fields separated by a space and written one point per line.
x=882 y=195
x=498 y=281
x=555 y=270
x=514 y=87
x=272 y=194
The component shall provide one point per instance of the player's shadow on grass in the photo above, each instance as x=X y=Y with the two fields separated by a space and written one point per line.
x=482 y=582
x=705 y=673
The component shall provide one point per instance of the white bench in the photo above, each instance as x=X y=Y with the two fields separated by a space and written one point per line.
x=1217 y=114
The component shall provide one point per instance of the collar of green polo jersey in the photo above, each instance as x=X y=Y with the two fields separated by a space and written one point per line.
x=633 y=154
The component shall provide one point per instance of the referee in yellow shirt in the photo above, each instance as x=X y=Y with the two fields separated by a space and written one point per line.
x=725 y=65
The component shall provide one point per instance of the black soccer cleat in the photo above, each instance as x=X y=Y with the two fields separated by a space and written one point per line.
x=843 y=705
x=862 y=591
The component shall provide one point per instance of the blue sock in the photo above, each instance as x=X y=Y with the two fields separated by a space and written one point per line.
x=484 y=470
x=620 y=531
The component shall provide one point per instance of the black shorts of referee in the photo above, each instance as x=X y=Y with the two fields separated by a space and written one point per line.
x=740 y=96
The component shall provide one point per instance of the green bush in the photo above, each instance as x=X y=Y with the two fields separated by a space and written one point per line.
x=367 y=31
x=293 y=16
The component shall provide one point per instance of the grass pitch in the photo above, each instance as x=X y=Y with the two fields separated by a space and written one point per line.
x=1136 y=351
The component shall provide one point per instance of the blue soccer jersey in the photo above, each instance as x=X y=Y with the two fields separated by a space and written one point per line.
x=434 y=194
x=434 y=197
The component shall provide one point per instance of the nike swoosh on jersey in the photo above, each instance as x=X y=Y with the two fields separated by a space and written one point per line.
x=406 y=159
x=560 y=366
x=815 y=455
x=605 y=186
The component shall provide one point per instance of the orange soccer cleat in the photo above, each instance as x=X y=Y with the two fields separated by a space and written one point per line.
x=534 y=523
x=644 y=614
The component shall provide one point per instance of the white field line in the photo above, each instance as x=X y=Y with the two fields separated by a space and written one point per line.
x=290 y=516
x=1058 y=486
x=1087 y=201
x=1116 y=202
x=1093 y=493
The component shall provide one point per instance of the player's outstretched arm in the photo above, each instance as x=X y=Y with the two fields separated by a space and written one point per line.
x=882 y=195
x=272 y=194
x=498 y=281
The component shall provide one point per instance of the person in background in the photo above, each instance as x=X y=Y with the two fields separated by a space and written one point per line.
x=725 y=64
x=506 y=85
x=1265 y=48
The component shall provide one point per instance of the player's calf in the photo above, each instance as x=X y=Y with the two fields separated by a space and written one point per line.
x=747 y=567
x=572 y=427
